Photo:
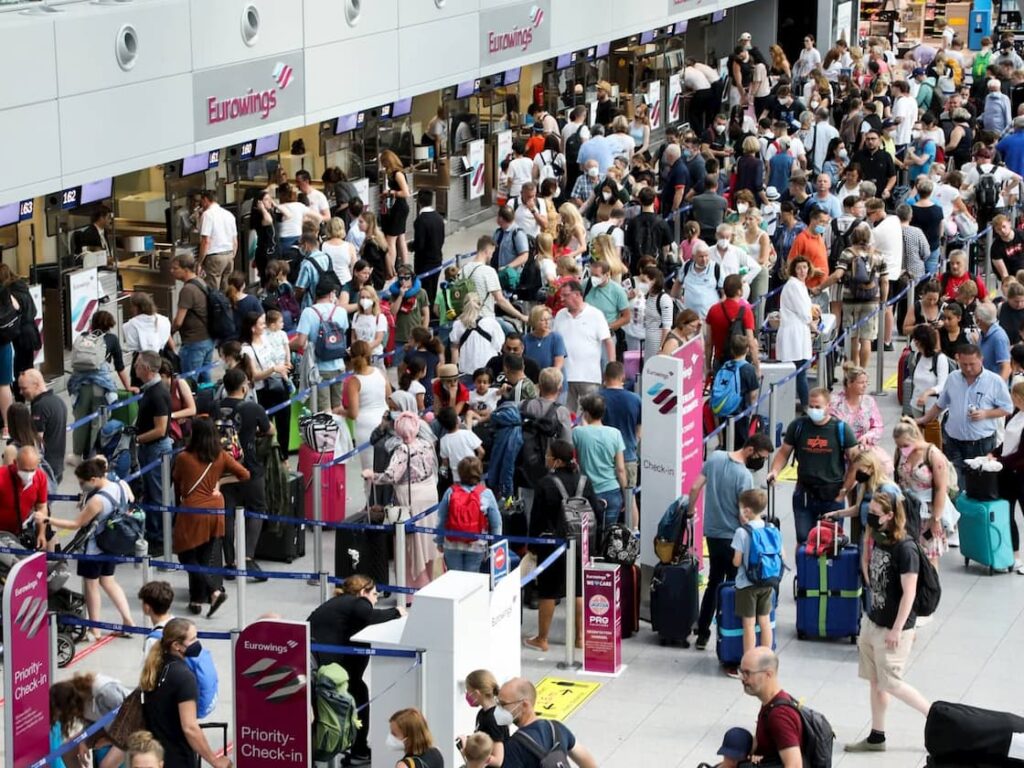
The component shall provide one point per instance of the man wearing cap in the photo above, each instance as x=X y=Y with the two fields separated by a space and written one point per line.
x=1011 y=147
x=877 y=165
x=925 y=88
x=770 y=211
x=737 y=744
x=996 y=116
x=780 y=729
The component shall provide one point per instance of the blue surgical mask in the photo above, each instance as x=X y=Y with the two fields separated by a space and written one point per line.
x=819 y=229
x=817 y=415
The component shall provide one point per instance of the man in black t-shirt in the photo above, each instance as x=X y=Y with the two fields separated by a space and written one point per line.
x=50 y=417
x=513 y=346
x=887 y=632
x=518 y=699
x=251 y=421
x=1007 y=247
x=151 y=437
x=648 y=234
x=877 y=165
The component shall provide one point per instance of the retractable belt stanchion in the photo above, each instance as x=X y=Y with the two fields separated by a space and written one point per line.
x=240 y=557
x=570 y=606
x=400 y=536
x=730 y=433
x=880 y=351
x=318 y=531
x=822 y=365
x=988 y=256
x=168 y=502
x=772 y=411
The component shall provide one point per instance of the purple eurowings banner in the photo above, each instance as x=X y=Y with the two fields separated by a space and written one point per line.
x=26 y=663
x=272 y=696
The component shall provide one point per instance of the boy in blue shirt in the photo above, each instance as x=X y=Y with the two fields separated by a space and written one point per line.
x=753 y=602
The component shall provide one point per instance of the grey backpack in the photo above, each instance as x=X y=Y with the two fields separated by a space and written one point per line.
x=574 y=509
x=88 y=352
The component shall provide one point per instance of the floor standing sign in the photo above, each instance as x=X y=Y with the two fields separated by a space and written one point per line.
x=272 y=697
x=672 y=449
x=26 y=664
x=602 y=619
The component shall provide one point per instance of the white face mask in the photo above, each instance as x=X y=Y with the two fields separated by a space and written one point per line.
x=26 y=477
x=394 y=743
x=723 y=243
x=558 y=192
x=741 y=207
x=503 y=717
x=607 y=196
x=642 y=288
x=844 y=155
x=719 y=128
x=597 y=282
x=366 y=304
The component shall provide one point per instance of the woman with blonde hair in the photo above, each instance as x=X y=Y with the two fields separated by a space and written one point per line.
x=396 y=194
x=922 y=471
x=369 y=324
x=640 y=129
x=750 y=170
x=412 y=471
x=482 y=691
x=475 y=338
x=546 y=259
x=144 y=751
x=602 y=248
x=860 y=410
x=542 y=345
x=375 y=251
x=410 y=735
x=340 y=252
x=757 y=243
x=572 y=238
x=871 y=477
x=170 y=695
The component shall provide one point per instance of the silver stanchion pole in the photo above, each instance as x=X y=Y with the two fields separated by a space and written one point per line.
x=168 y=500
x=988 y=257
x=772 y=413
x=822 y=365
x=400 y=538
x=570 y=606
x=318 y=530
x=52 y=619
x=730 y=433
x=880 y=355
x=240 y=581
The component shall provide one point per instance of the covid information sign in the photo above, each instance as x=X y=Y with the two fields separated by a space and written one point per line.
x=602 y=619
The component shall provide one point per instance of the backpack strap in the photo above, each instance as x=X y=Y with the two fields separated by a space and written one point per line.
x=582 y=485
x=531 y=744
x=560 y=486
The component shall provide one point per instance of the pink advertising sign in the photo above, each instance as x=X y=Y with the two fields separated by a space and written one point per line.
x=272 y=698
x=26 y=663
x=602 y=619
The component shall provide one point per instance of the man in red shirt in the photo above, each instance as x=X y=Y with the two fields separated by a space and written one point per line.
x=811 y=243
x=958 y=275
x=780 y=729
x=449 y=392
x=23 y=492
x=724 y=314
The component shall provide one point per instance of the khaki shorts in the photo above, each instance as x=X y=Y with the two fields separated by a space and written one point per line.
x=631 y=473
x=854 y=313
x=336 y=393
x=752 y=602
x=877 y=662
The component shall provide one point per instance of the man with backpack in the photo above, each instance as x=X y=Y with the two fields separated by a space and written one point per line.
x=779 y=737
x=192 y=319
x=648 y=234
x=723 y=478
x=544 y=420
x=324 y=325
x=315 y=268
x=734 y=388
x=536 y=743
x=730 y=317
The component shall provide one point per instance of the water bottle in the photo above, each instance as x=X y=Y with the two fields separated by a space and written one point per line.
x=141 y=550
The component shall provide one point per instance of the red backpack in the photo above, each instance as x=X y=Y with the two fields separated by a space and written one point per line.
x=389 y=337
x=464 y=512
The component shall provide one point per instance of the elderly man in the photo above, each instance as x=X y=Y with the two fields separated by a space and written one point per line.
x=997 y=114
x=23 y=493
x=700 y=281
x=531 y=213
x=992 y=341
x=583 y=190
x=675 y=178
x=780 y=731
x=50 y=417
x=518 y=699
x=977 y=400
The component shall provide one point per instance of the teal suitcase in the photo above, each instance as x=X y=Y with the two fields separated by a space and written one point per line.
x=984 y=528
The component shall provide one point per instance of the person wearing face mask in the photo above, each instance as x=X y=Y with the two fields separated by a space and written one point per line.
x=517 y=701
x=23 y=493
x=811 y=244
x=482 y=691
x=349 y=612
x=891 y=567
x=410 y=735
x=171 y=693
x=724 y=476
x=824 y=448
x=716 y=140
x=102 y=498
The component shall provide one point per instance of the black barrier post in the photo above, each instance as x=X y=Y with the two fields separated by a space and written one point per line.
x=772 y=411
x=880 y=350
x=400 y=554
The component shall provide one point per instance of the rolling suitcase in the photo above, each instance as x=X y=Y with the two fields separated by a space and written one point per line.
x=828 y=594
x=629 y=582
x=224 y=748
x=961 y=735
x=984 y=528
x=361 y=551
x=284 y=542
x=729 y=626
x=675 y=601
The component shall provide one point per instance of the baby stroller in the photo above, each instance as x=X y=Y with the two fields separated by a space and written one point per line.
x=62 y=601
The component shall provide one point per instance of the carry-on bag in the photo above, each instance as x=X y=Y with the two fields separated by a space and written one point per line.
x=729 y=626
x=285 y=542
x=984 y=528
x=961 y=735
x=674 y=596
x=828 y=593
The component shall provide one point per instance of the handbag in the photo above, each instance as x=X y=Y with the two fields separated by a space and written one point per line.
x=396 y=513
x=128 y=720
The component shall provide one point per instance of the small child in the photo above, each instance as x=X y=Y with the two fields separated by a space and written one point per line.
x=477 y=748
x=482 y=399
x=410 y=380
x=456 y=444
x=737 y=744
x=753 y=602
x=443 y=303
x=277 y=340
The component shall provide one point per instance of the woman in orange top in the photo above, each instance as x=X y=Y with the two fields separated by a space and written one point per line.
x=197 y=475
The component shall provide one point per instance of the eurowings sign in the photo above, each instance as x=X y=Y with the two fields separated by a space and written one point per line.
x=514 y=30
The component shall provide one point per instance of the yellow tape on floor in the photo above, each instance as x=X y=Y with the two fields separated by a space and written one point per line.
x=892 y=383
x=557 y=699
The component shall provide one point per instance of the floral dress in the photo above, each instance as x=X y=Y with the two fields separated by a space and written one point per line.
x=866 y=422
x=916 y=478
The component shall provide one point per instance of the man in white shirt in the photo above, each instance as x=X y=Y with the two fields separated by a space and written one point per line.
x=317 y=199
x=577 y=118
x=614 y=227
x=583 y=329
x=697 y=79
x=904 y=112
x=822 y=135
x=531 y=211
x=218 y=241
x=486 y=283
x=887 y=239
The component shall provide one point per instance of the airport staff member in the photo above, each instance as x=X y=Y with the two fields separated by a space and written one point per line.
x=218 y=241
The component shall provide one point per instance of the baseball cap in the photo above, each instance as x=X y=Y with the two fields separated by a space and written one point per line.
x=745 y=36
x=920 y=71
x=736 y=744
x=888 y=124
x=772 y=193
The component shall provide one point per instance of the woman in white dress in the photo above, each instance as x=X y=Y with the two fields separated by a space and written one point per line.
x=794 y=342
x=369 y=324
x=366 y=393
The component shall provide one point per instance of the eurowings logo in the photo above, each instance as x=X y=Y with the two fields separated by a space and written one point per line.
x=664 y=397
x=283 y=75
x=518 y=37
x=537 y=16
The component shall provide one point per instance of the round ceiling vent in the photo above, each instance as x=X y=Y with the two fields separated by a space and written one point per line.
x=250 y=25
x=440 y=3
x=353 y=9
x=126 y=47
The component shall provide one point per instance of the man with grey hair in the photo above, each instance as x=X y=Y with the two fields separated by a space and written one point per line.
x=50 y=418
x=583 y=190
x=992 y=341
x=675 y=178
x=191 y=321
x=151 y=428
x=997 y=114
x=23 y=493
x=517 y=699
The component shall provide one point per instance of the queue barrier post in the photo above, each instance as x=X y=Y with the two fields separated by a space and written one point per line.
x=822 y=365
x=880 y=352
x=318 y=530
x=988 y=256
x=570 y=606
x=911 y=296
x=730 y=433
x=52 y=628
x=168 y=502
x=400 y=536
x=240 y=557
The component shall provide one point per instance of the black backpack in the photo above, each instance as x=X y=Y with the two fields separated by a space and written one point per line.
x=643 y=241
x=325 y=276
x=10 y=318
x=556 y=757
x=929 y=589
x=220 y=319
x=572 y=149
x=538 y=432
x=840 y=241
x=816 y=744
x=986 y=191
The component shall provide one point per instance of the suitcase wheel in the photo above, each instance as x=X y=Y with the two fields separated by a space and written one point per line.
x=801 y=635
x=853 y=639
x=991 y=571
x=967 y=562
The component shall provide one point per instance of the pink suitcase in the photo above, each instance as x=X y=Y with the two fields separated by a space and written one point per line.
x=333 y=481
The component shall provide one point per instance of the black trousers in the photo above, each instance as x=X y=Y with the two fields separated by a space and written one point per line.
x=720 y=568
x=202 y=585
x=249 y=495
x=356 y=668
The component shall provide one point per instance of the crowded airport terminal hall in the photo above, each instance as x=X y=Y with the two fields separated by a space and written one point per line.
x=512 y=383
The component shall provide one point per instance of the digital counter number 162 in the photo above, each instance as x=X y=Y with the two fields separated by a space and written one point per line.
x=69 y=198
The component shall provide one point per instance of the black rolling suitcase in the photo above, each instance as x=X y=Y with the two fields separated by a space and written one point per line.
x=284 y=542
x=961 y=735
x=674 y=596
x=361 y=551
x=212 y=726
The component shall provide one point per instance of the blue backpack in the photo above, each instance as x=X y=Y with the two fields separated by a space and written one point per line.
x=206 y=677
x=331 y=338
x=764 y=558
x=726 y=389
x=668 y=539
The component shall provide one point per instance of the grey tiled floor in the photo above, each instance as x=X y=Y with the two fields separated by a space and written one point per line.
x=671 y=706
